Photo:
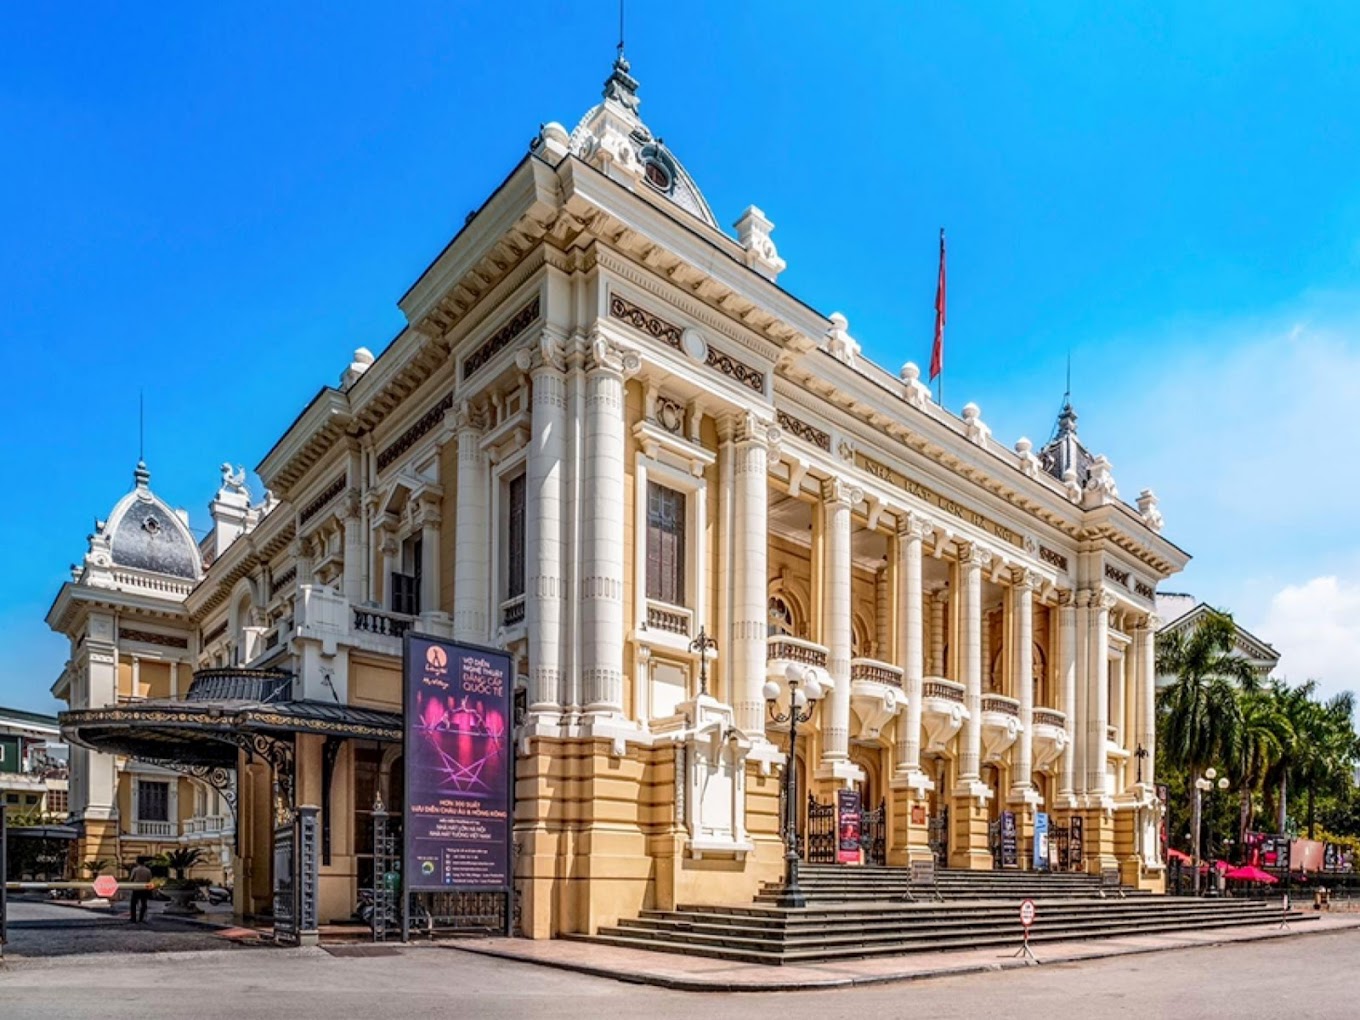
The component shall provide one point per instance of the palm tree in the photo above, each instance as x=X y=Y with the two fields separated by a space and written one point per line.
x=1201 y=716
x=1264 y=738
x=1326 y=749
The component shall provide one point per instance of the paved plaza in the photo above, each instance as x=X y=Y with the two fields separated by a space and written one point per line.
x=1306 y=975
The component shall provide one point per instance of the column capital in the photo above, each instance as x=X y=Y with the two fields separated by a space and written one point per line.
x=972 y=554
x=912 y=526
x=1065 y=597
x=548 y=352
x=470 y=418
x=838 y=490
x=608 y=356
x=1152 y=622
x=1026 y=579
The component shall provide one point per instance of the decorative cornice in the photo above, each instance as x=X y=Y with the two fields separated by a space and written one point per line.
x=802 y=430
x=152 y=638
x=648 y=322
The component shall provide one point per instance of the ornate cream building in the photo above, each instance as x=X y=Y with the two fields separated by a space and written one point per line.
x=604 y=428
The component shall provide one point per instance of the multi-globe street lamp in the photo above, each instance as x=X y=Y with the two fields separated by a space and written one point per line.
x=1203 y=784
x=805 y=690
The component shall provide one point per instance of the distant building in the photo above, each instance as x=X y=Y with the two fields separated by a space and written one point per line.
x=33 y=768
x=1181 y=613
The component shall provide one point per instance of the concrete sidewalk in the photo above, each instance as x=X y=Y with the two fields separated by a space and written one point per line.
x=701 y=974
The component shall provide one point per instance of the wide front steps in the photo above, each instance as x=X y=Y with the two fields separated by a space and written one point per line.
x=832 y=884
x=773 y=935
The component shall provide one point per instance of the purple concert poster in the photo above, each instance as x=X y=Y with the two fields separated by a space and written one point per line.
x=458 y=766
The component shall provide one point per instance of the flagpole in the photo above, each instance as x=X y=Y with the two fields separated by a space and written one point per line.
x=937 y=346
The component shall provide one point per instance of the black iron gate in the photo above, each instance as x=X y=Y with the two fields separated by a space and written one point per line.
x=1058 y=843
x=874 y=835
x=937 y=835
x=285 y=882
x=821 y=838
x=994 y=842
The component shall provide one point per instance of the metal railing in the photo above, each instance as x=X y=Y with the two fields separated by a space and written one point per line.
x=513 y=611
x=239 y=683
x=156 y=830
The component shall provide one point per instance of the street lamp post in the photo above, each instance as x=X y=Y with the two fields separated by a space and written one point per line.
x=805 y=690
x=1203 y=784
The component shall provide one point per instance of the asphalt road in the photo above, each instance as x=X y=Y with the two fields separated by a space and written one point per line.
x=1312 y=976
x=39 y=929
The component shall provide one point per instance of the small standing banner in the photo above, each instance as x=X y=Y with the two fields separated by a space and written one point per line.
x=849 y=822
x=1027 y=915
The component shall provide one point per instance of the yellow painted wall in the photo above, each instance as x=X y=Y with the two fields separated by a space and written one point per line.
x=374 y=685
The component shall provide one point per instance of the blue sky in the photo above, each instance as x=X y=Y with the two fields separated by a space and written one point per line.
x=218 y=206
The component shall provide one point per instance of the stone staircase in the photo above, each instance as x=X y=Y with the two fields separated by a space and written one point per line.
x=826 y=883
x=859 y=912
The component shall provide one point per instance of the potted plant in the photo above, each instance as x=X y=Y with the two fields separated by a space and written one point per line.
x=182 y=890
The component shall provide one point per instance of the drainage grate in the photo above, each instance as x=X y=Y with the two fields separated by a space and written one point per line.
x=343 y=951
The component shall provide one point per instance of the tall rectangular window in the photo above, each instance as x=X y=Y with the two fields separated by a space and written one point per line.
x=665 y=544
x=514 y=539
x=153 y=801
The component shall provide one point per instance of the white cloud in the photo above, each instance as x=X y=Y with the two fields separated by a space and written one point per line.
x=1316 y=628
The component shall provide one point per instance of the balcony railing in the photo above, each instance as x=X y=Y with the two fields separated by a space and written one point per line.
x=238 y=683
x=1050 y=717
x=945 y=690
x=155 y=830
x=206 y=825
x=876 y=672
x=513 y=610
x=781 y=647
x=668 y=618
x=375 y=621
x=1001 y=704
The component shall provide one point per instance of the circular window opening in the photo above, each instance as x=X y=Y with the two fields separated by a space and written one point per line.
x=658 y=176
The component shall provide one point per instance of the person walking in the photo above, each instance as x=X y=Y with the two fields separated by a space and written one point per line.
x=140 y=876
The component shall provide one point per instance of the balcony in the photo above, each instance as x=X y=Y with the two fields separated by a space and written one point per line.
x=1050 y=737
x=873 y=671
x=154 y=830
x=669 y=619
x=942 y=712
x=384 y=624
x=238 y=683
x=513 y=612
x=207 y=827
x=782 y=650
x=1000 y=725
x=875 y=695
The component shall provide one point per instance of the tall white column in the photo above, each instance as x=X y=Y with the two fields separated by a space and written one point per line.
x=543 y=529
x=1098 y=691
x=1022 y=656
x=472 y=607
x=724 y=670
x=1067 y=685
x=351 y=511
x=910 y=612
x=837 y=499
x=1147 y=696
x=602 y=500
x=971 y=562
x=429 y=519
x=750 y=576
x=1081 y=706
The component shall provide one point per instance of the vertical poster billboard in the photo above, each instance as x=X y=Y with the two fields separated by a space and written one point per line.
x=849 y=821
x=1010 y=841
x=1040 y=841
x=459 y=795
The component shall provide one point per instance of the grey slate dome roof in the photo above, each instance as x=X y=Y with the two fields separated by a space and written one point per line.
x=144 y=533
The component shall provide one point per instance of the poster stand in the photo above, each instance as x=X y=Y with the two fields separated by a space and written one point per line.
x=1027 y=914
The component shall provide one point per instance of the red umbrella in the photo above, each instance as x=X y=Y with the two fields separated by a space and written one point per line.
x=1177 y=855
x=1251 y=873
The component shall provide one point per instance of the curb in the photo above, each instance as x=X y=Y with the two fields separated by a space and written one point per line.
x=696 y=984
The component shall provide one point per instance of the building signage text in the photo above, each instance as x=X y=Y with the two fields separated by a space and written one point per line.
x=949 y=506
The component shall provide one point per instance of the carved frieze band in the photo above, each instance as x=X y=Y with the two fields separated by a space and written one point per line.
x=502 y=338
x=152 y=638
x=804 y=431
x=317 y=505
x=1055 y=559
x=935 y=499
x=1116 y=575
x=1144 y=589
x=411 y=436
x=669 y=334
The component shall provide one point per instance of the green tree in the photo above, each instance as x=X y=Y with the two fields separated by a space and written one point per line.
x=1325 y=750
x=1265 y=736
x=1201 y=715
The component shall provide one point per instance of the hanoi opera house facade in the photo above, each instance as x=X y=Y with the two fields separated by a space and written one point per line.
x=604 y=428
